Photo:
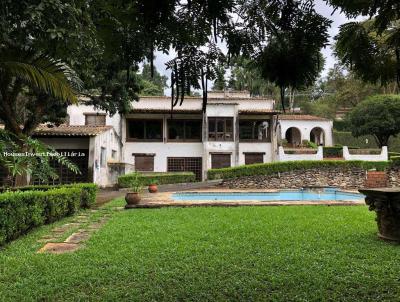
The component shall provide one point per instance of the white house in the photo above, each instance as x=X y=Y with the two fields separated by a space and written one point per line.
x=235 y=129
x=298 y=128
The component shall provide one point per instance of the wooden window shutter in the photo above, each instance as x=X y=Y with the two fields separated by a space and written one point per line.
x=220 y=161
x=144 y=163
x=253 y=158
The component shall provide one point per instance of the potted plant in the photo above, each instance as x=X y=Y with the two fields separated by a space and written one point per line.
x=153 y=186
x=133 y=196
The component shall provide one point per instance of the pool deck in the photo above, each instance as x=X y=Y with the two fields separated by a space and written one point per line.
x=164 y=199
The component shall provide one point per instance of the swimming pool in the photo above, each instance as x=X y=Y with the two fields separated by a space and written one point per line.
x=284 y=195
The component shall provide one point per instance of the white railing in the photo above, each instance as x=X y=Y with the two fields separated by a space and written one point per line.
x=383 y=156
x=299 y=156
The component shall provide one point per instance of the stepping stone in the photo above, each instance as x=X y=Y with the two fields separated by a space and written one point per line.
x=59 y=248
x=78 y=237
x=72 y=224
x=61 y=229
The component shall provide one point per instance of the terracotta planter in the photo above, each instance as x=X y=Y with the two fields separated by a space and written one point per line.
x=132 y=198
x=153 y=188
x=386 y=203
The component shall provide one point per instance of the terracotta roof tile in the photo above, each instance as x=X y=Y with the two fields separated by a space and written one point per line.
x=301 y=117
x=65 y=130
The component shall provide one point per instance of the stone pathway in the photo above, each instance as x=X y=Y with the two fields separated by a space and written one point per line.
x=81 y=228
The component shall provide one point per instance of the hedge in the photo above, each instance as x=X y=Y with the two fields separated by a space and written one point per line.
x=277 y=167
x=124 y=181
x=88 y=191
x=333 y=152
x=21 y=211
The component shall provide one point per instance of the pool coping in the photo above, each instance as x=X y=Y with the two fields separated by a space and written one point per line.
x=164 y=199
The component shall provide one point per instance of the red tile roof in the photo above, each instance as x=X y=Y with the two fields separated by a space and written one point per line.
x=301 y=117
x=65 y=130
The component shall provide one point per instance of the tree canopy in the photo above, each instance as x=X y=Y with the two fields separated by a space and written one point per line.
x=378 y=116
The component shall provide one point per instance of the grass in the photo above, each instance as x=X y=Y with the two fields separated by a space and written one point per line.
x=313 y=253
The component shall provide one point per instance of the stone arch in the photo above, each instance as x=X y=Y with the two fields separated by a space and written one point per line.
x=317 y=136
x=293 y=136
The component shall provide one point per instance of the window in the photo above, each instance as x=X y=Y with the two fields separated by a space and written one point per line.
x=254 y=130
x=220 y=128
x=219 y=160
x=253 y=158
x=145 y=130
x=144 y=162
x=103 y=157
x=184 y=130
x=95 y=119
x=114 y=154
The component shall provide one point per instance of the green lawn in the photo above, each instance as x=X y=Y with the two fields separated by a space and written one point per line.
x=313 y=253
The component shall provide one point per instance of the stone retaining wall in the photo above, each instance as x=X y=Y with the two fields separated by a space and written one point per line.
x=336 y=177
x=394 y=176
x=351 y=178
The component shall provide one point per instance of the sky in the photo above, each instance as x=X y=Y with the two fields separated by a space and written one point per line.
x=321 y=7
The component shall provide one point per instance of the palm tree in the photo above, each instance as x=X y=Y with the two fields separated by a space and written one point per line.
x=41 y=74
x=23 y=72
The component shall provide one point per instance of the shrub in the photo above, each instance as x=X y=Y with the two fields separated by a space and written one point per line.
x=125 y=181
x=330 y=152
x=277 y=167
x=395 y=161
x=21 y=211
x=88 y=191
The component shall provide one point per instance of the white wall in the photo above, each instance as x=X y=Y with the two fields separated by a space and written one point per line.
x=293 y=157
x=104 y=175
x=77 y=116
x=383 y=156
x=257 y=148
x=162 y=151
x=306 y=126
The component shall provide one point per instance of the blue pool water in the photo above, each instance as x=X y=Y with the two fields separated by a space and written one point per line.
x=284 y=195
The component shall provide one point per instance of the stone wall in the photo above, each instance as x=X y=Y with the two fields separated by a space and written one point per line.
x=350 y=178
x=336 y=177
x=394 y=176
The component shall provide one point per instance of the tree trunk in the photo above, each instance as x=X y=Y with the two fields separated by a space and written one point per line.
x=282 y=90
x=291 y=99
x=382 y=140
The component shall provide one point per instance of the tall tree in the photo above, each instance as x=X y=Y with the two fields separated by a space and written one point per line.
x=292 y=58
x=245 y=75
x=378 y=115
x=220 y=82
x=372 y=56
x=382 y=31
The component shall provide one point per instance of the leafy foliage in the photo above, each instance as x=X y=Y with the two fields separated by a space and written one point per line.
x=371 y=56
x=125 y=181
x=292 y=56
x=22 y=211
x=28 y=77
x=33 y=158
x=378 y=115
x=152 y=84
x=246 y=75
